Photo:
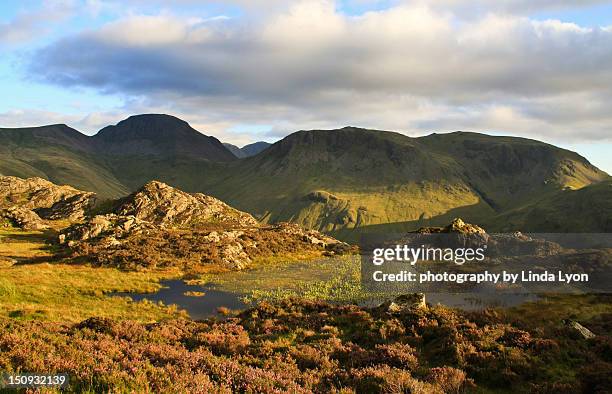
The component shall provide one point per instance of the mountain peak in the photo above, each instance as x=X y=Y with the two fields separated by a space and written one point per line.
x=160 y=134
x=148 y=125
x=162 y=119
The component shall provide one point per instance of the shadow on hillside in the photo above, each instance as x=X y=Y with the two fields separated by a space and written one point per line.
x=475 y=214
x=28 y=246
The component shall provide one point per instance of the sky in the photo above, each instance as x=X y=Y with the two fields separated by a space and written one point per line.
x=250 y=70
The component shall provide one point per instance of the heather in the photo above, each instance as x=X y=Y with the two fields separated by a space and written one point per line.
x=308 y=346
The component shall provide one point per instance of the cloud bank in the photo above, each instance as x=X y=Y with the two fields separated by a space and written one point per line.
x=416 y=67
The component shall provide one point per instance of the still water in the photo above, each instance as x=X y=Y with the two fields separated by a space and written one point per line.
x=173 y=292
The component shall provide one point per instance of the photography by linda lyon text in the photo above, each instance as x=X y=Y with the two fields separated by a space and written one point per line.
x=481 y=277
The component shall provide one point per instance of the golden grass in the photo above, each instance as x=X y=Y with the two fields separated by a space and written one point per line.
x=62 y=292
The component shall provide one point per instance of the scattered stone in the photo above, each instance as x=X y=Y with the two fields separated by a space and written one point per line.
x=581 y=330
x=404 y=303
x=194 y=294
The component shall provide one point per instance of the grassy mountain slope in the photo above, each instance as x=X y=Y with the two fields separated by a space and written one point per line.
x=334 y=180
x=118 y=159
x=254 y=148
x=247 y=150
x=341 y=179
x=159 y=135
x=588 y=209
x=159 y=147
x=57 y=153
x=506 y=171
x=234 y=149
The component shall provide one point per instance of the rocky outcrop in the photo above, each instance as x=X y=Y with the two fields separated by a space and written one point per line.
x=518 y=244
x=161 y=226
x=456 y=234
x=459 y=233
x=48 y=200
x=108 y=228
x=74 y=207
x=320 y=196
x=313 y=237
x=456 y=226
x=166 y=206
x=23 y=218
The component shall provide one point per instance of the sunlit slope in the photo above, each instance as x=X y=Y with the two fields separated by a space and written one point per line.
x=351 y=177
x=507 y=171
x=331 y=180
x=57 y=153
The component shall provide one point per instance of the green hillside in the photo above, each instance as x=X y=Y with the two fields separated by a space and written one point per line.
x=331 y=180
x=585 y=210
x=337 y=180
x=118 y=159
x=60 y=154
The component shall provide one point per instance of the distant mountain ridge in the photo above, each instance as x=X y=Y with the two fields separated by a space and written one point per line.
x=247 y=150
x=330 y=180
x=117 y=159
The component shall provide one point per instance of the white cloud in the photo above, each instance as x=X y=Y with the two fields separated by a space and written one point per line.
x=35 y=22
x=415 y=67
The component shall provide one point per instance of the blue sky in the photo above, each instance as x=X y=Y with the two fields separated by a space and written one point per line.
x=252 y=70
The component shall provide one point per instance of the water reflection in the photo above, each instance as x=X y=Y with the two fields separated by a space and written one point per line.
x=173 y=292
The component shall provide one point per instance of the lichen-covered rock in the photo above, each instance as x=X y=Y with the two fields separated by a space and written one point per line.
x=234 y=256
x=456 y=226
x=23 y=218
x=456 y=234
x=518 y=244
x=109 y=226
x=48 y=200
x=74 y=207
x=166 y=206
x=313 y=237
x=579 y=329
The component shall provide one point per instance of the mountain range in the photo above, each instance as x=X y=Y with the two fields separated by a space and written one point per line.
x=331 y=180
